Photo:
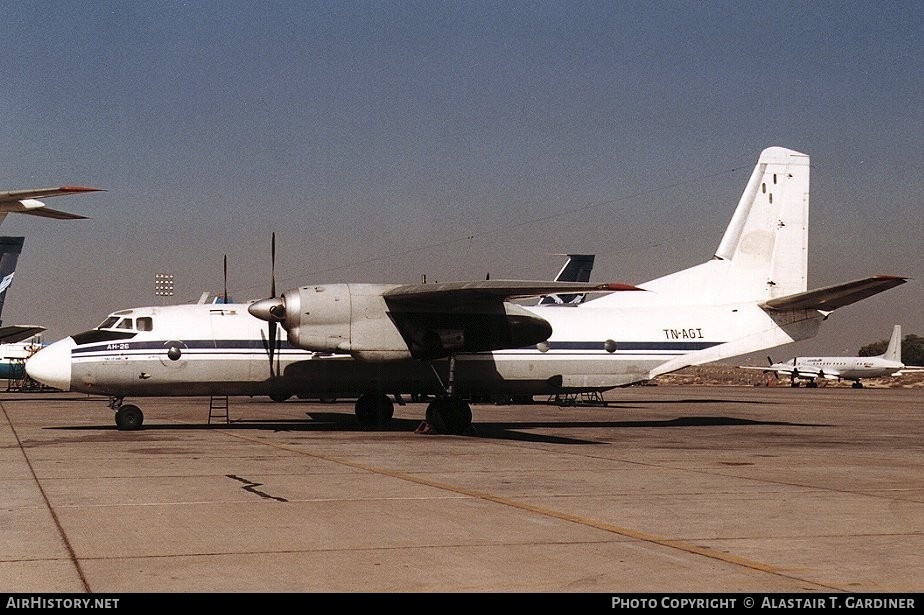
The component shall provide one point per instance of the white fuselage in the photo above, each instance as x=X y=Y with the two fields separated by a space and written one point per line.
x=220 y=350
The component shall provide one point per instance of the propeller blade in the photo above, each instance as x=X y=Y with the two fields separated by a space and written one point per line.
x=271 y=346
x=272 y=323
x=226 y=279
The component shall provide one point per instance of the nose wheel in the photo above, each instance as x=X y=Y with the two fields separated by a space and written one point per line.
x=128 y=417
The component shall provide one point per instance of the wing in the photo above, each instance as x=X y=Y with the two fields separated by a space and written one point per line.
x=18 y=333
x=454 y=293
x=379 y=322
x=832 y=297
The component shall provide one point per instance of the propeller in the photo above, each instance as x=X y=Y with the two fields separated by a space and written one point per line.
x=272 y=310
x=226 y=279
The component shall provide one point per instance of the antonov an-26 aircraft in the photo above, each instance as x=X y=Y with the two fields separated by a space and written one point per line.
x=459 y=340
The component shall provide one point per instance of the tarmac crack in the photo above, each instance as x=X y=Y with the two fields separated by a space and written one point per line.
x=252 y=488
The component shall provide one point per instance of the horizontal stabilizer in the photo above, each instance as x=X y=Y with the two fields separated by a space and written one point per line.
x=13 y=196
x=25 y=202
x=830 y=298
x=45 y=212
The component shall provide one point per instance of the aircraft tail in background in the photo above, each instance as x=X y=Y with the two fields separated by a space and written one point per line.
x=577 y=269
x=894 y=350
x=10 y=249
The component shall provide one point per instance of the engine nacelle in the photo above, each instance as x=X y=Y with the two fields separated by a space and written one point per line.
x=337 y=318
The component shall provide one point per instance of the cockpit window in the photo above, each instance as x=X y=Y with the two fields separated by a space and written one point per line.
x=125 y=323
x=145 y=323
x=108 y=323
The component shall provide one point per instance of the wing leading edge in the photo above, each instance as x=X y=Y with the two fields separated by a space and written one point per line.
x=493 y=290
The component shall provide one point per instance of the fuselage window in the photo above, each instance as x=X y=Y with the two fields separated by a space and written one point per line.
x=145 y=323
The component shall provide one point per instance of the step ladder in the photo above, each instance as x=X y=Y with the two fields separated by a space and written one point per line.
x=218 y=408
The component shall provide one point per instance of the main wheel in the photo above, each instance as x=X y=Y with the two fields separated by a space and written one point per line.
x=374 y=410
x=449 y=415
x=129 y=417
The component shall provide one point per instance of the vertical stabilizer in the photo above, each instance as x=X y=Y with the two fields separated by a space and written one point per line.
x=576 y=269
x=764 y=251
x=10 y=249
x=894 y=351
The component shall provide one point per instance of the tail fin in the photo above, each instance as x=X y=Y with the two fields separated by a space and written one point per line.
x=894 y=351
x=10 y=249
x=764 y=251
x=577 y=269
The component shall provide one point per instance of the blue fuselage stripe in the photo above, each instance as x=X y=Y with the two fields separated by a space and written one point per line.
x=251 y=346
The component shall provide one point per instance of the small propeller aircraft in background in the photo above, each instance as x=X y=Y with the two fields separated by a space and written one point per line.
x=457 y=340
x=813 y=369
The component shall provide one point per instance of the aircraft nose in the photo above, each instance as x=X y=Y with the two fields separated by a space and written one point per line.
x=52 y=365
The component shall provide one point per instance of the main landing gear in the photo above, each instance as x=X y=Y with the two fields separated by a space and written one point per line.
x=128 y=417
x=374 y=410
x=449 y=414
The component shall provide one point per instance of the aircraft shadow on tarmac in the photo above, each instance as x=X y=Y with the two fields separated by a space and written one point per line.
x=498 y=430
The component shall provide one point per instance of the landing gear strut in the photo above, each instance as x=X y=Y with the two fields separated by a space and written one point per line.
x=449 y=414
x=128 y=417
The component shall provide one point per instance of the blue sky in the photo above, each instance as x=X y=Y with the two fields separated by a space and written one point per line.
x=382 y=141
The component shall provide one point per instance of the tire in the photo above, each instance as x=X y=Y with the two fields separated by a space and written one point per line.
x=374 y=410
x=450 y=416
x=129 y=417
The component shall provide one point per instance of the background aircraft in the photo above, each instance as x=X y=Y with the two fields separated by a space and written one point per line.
x=458 y=340
x=576 y=269
x=811 y=369
x=10 y=249
x=25 y=202
x=17 y=342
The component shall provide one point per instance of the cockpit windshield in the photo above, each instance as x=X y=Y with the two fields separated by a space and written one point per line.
x=143 y=323
x=116 y=327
